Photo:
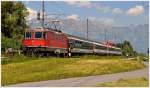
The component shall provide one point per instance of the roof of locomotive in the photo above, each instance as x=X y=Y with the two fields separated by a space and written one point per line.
x=36 y=29
x=42 y=30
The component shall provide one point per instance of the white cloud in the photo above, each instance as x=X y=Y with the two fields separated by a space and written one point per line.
x=102 y=21
x=103 y=9
x=108 y=22
x=71 y=2
x=92 y=18
x=32 y=13
x=137 y=10
x=85 y=4
x=117 y=10
x=73 y=17
x=106 y=9
x=80 y=3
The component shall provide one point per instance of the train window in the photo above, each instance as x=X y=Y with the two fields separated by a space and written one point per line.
x=86 y=45
x=44 y=35
x=28 y=35
x=78 y=43
x=100 y=47
x=38 y=34
x=71 y=43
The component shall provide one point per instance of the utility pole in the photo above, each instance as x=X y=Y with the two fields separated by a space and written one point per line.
x=115 y=39
x=43 y=10
x=121 y=48
x=105 y=35
x=87 y=28
x=106 y=43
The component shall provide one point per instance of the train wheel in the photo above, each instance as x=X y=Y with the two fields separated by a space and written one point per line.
x=58 y=54
x=32 y=54
x=47 y=54
x=28 y=53
x=64 y=54
x=25 y=53
x=36 y=54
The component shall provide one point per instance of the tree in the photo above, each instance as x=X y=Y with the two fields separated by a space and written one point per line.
x=13 y=18
x=127 y=48
x=119 y=45
x=13 y=23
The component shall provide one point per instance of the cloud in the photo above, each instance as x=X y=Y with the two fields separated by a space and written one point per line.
x=73 y=17
x=32 y=13
x=92 y=18
x=117 y=10
x=80 y=3
x=106 y=9
x=103 y=9
x=85 y=4
x=71 y=2
x=108 y=21
x=137 y=10
x=102 y=21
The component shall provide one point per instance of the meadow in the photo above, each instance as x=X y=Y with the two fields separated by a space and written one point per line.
x=20 y=69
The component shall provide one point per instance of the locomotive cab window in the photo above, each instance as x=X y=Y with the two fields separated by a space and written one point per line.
x=38 y=34
x=44 y=35
x=28 y=35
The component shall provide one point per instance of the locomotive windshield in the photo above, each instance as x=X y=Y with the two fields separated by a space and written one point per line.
x=38 y=34
x=44 y=35
x=28 y=35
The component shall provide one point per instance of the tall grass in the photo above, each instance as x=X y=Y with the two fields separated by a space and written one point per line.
x=21 y=58
x=58 y=68
x=16 y=58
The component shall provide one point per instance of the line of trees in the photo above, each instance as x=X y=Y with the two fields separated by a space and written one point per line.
x=127 y=48
x=13 y=23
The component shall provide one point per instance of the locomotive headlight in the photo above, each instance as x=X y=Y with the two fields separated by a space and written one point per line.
x=32 y=42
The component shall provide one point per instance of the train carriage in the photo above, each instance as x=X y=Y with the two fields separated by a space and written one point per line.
x=82 y=45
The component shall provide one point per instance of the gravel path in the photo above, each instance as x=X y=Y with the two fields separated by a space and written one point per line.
x=87 y=81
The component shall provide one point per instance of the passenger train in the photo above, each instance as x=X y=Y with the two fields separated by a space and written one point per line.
x=49 y=42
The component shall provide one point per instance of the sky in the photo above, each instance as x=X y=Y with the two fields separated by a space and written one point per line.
x=125 y=19
x=119 y=13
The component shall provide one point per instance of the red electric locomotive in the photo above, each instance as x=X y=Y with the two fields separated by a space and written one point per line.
x=44 y=42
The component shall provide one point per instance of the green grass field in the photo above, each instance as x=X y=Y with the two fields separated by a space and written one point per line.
x=138 y=82
x=21 y=69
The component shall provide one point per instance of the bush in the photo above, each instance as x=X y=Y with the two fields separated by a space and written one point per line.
x=14 y=43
